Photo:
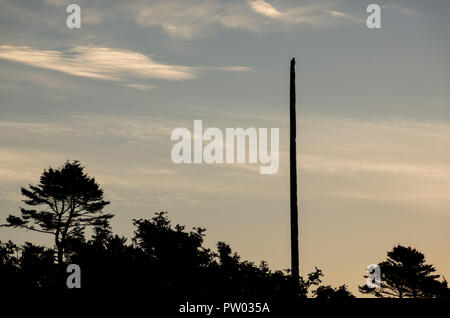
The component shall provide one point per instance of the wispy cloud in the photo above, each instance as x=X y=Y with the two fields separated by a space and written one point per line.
x=312 y=14
x=104 y=63
x=124 y=129
x=342 y=15
x=389 y=160
x=264 y=8
x=347 y=166
x=190 y=19
x=235 y=68
x=187 y=19
x=401 y=9
x=140 y=87
x=96 y=62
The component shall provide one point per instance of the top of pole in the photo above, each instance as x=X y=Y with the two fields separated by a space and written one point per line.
x=292 y=85
x=293 y=77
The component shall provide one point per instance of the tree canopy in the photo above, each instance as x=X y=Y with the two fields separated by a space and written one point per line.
x=167 y=261
x=405 y=274
x=68 y=200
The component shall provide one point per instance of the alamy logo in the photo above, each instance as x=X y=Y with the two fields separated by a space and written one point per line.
x=374 y=19
x=374 y=278
x=73 y=21
x=74 y=279
x=213 y=152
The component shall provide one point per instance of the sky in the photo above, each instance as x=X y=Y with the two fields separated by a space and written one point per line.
x=373 y=112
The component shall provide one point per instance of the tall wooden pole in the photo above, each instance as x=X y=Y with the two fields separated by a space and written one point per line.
x=293 y=181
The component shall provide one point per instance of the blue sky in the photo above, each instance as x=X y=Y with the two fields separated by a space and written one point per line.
x=373 y=112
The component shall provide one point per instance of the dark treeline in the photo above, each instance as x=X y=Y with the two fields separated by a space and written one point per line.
x=161 y=258
x=165 y=260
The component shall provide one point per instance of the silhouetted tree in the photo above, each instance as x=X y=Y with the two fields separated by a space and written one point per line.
x=406 y=275
x=329 y=293
x=178 y=261
x=108 y=263
x=26 y=267
x=37 y=266
x=9 y=265
x=70 y=201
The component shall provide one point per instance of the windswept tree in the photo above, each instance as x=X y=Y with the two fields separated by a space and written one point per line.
x=63 y=204
x=405 y=274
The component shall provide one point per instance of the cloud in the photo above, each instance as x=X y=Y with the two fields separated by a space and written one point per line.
x=402 y=164
x=21 y=77
x=56 y=2
x=235 y=68
x=136 y=130
x=401 y=9
x=140 y=87
x=162 y=172
x=347 y=166
x=21 y=165
x=96 y=62
x=190 y=19
x=342 y=15
x=318 y=15
x=10 y=129
x=104 y=63
x=186 y=19
x=264 y=8
x=385 y=160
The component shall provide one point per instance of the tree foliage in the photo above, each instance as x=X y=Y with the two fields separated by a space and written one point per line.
x=166 y=261
x=405 y=274
x=63 y=204
x=329 y=293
